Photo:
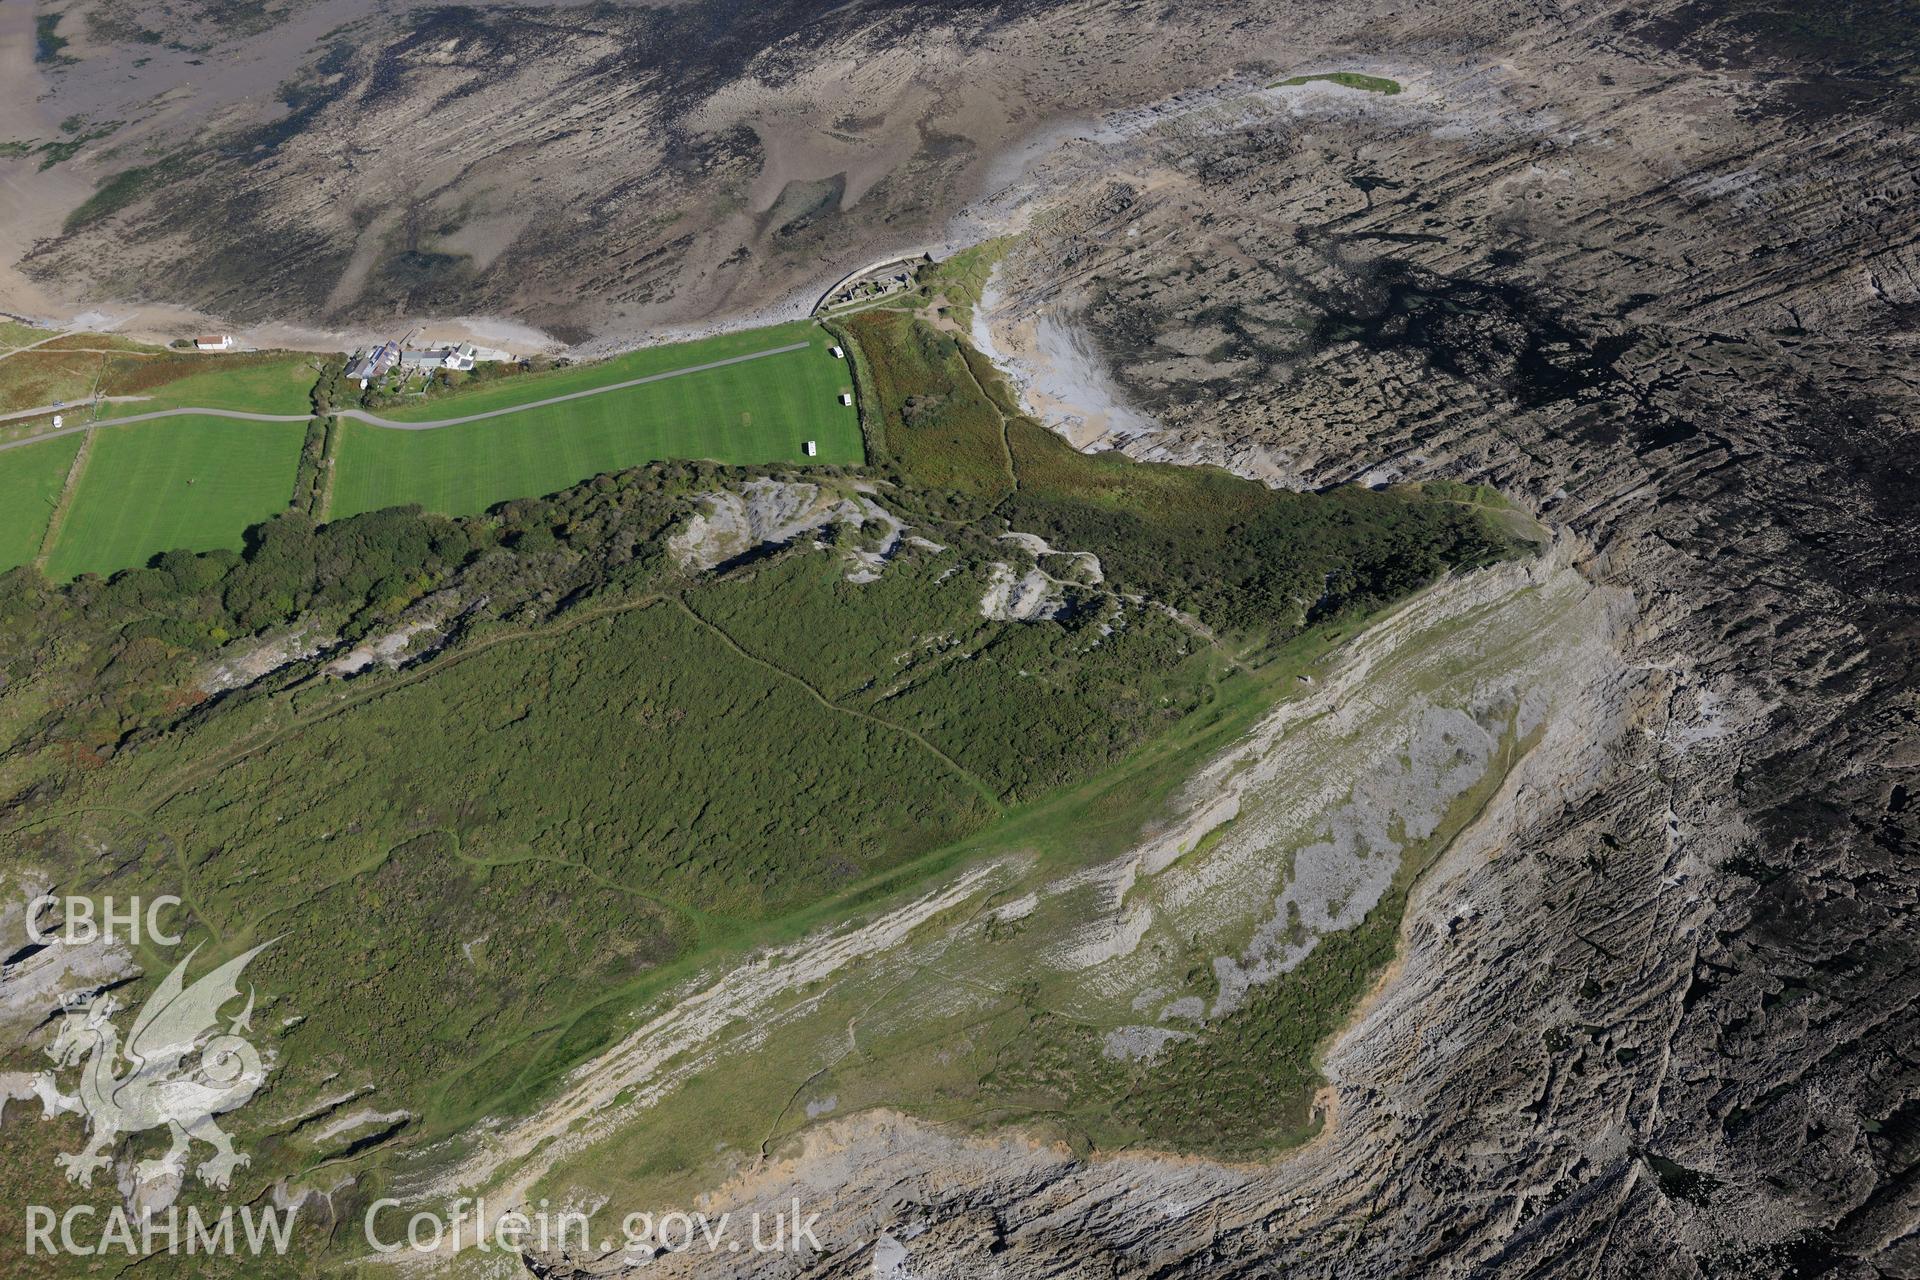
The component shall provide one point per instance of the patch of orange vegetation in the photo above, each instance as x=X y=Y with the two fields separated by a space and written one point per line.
x=81 y=756
x=185 y=698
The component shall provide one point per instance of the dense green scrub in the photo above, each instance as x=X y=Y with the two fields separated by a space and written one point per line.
x=602 y=768
x=1240 y=556
x=1022 y=707
x=583 y=799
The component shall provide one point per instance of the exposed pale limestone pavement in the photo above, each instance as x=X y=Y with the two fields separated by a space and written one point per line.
x=1663 y=1026
x=1654 y=1017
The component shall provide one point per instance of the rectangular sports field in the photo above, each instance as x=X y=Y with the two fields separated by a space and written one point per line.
x=759 y=411
x=30 y=481
x=192 y=483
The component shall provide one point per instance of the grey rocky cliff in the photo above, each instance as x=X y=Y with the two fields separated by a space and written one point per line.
x=1654 y=273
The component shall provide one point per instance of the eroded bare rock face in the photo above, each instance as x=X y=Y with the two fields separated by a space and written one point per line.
x=1655 y=274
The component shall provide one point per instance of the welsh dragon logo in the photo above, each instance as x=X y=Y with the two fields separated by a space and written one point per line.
x=158 y=1085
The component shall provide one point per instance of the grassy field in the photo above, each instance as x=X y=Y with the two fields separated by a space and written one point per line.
x=195 y=483
x=99 y=342
x=759 y=411
x=78 y=365
x=198 y=483
x=269 y=382
x=29 y=379
x=13 y=334
x=30 y=481
x=581 y=377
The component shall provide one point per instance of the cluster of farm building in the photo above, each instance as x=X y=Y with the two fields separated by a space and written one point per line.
x=374 y=363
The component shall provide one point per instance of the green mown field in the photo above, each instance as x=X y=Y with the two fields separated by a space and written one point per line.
x=483 y=396
x=30 y=482
x=270 y=382
x=760 y=411
x=193 y=483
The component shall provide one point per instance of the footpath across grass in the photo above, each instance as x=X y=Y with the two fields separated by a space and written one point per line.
x=193 y=483
x=14 y=334
x=30 y=483
x=759 y=411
